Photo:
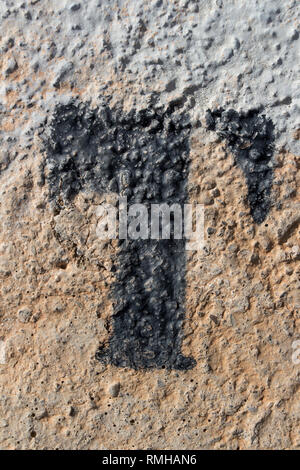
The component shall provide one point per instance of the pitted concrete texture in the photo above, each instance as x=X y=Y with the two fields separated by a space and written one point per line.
x=211 y=88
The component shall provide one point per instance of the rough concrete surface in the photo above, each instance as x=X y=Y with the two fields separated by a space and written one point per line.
x=105 y=345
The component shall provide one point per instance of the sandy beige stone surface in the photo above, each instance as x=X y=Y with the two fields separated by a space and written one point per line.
x=243 y=290
x=242 y=316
